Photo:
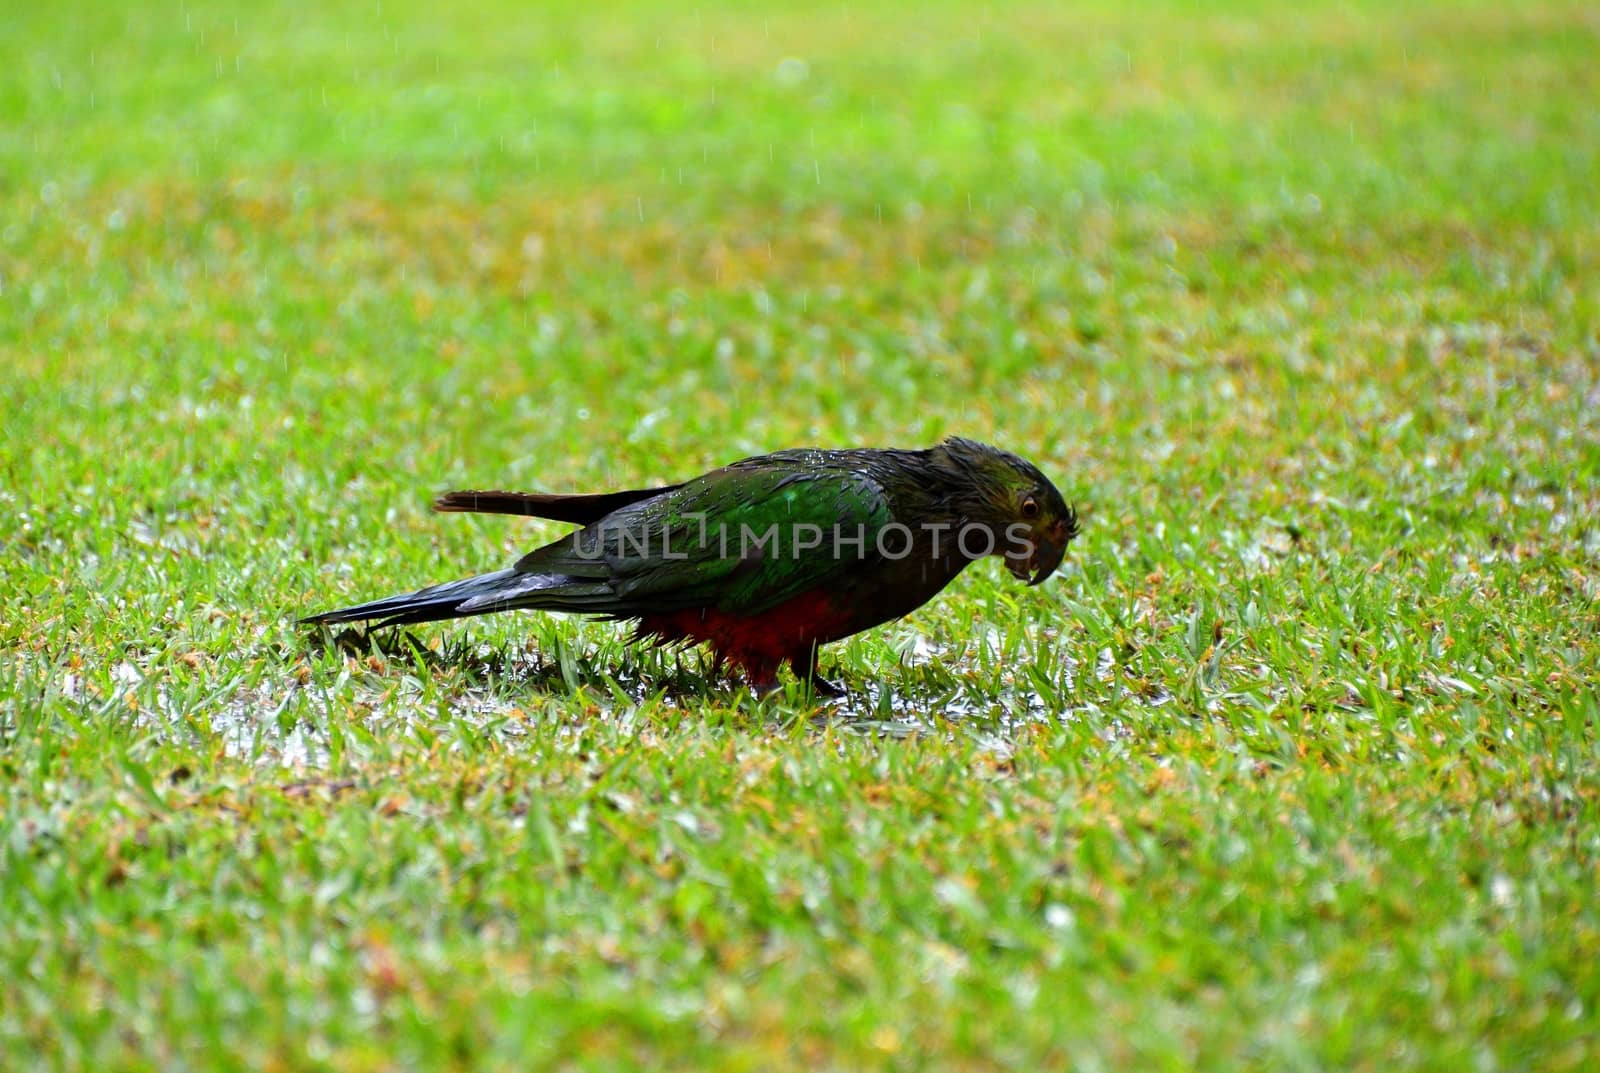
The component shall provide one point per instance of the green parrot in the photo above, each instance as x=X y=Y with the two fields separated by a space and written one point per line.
x=769 y=558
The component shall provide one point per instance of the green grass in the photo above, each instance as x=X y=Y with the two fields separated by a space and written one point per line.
x=1292 y=767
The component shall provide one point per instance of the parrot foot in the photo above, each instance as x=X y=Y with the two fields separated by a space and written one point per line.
x=822 y=687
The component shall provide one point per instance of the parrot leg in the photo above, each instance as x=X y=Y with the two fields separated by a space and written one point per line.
x=762 y=677
x=813 y=678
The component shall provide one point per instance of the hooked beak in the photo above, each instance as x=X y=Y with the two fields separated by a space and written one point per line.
x=1037 y=562
x=1038 y=558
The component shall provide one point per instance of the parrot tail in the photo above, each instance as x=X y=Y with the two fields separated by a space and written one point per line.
x=502 y=590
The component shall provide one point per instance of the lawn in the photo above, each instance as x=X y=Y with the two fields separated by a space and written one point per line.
x=1292 y=766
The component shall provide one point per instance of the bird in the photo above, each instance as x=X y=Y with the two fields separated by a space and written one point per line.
x=766 y=559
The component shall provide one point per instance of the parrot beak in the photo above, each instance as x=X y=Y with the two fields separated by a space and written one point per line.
x=1036 y=564
x=1038 y=559
x=1046 y=557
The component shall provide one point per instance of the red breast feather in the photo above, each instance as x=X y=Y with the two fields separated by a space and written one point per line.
x=758 y=643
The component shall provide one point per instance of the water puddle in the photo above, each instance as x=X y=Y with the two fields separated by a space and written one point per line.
x=400 y=689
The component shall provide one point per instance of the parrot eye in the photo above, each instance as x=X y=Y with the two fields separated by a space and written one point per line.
x=1030 y=508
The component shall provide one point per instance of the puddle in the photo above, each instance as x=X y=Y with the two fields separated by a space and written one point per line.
x=282 y=721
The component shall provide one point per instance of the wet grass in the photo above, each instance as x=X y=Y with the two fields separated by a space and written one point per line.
x=1293 y=766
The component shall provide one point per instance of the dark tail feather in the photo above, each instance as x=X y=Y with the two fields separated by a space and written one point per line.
x=499 y=591
x=578 y=509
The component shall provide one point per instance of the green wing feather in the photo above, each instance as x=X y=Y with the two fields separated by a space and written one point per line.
x=731 y=539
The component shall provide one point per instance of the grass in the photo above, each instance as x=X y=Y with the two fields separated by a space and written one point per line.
x=1292 y=767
